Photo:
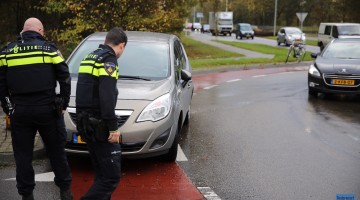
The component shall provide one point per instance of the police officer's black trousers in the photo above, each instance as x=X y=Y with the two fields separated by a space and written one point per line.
x=25 y=122
x=106 y=160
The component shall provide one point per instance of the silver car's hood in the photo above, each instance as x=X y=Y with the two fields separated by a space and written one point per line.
x=136 y=89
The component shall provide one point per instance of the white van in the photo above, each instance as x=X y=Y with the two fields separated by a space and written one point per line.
x=329 y=31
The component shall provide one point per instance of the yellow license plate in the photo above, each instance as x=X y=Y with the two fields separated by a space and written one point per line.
x=343 y=82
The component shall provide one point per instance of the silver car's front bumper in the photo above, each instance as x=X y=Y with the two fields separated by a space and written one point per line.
x=143 y=139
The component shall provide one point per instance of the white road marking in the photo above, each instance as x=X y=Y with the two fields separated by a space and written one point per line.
x=49 y=176
x=233 y=80
x=353 y=137
x=209 y=87
x=208 y=193
x=44 y=177
x=180 y=155
x=258 y=76
x=285 y=73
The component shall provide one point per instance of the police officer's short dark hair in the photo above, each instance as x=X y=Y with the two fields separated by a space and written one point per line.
x=116 y=36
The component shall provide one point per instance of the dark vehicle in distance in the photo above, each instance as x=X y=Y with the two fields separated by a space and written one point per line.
x=336 y=69
x=244 y=30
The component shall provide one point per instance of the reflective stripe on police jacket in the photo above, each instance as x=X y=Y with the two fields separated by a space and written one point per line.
x=30 y=63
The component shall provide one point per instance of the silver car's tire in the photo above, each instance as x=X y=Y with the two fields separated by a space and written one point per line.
x=187 y=117
x=172 y=154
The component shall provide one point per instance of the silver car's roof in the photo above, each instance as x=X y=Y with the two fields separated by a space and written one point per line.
x=137 y=36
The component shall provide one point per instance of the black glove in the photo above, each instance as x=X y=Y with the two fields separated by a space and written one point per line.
x=7 y=106
x=59 y=102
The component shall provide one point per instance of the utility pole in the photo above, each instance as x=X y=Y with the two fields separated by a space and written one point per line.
x=275 y=12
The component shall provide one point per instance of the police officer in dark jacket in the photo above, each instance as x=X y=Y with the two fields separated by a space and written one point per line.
x=96 y=96
x=29 y=70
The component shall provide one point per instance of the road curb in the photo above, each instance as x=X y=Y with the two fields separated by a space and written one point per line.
x=245 y=67
x=8 y=157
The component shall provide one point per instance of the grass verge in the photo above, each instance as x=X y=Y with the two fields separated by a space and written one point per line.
x=203 y=56
x=198 y=50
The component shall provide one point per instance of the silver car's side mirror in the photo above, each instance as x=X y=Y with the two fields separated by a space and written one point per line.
x=185 y=75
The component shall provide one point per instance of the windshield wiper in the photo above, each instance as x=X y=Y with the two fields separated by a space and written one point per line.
x=133 y=77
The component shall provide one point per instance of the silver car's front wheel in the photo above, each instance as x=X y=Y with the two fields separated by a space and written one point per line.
x=187 y=118
x=172 y=154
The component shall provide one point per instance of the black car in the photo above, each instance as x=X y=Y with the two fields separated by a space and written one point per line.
x=244 y=30
x=336 y=69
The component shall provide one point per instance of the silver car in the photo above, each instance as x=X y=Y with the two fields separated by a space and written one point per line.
x=155 y=92
x=288 y=35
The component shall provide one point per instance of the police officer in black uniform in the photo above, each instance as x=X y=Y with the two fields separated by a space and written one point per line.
x=29 y=70
x=96 y=96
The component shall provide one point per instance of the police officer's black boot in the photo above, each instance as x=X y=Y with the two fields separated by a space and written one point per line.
x=66 y=194
x=28 y=196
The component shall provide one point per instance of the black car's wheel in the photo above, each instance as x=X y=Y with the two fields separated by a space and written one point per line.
x=252 y=37
x=313 y=93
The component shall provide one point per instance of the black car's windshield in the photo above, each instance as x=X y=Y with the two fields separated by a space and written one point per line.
x=147 y=60
x=344 y=50
x=245 y=28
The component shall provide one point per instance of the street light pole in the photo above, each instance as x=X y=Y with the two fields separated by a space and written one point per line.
x=275 y=16
x=226 y=5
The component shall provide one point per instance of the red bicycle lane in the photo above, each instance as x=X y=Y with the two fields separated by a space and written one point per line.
x=141 y=179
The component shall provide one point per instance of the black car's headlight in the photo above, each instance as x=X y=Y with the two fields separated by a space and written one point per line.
x=313 y=71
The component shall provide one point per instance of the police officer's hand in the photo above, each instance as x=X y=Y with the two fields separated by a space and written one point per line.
x=114 y=136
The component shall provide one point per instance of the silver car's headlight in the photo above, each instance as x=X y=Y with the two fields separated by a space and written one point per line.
x=156 y=110
x=313 y=71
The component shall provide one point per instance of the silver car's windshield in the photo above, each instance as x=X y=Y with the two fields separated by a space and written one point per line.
x=148 y=60
x=343 y=50
x=293 y=31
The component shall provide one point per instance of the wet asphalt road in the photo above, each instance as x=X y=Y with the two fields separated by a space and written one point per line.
x=261 y=137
